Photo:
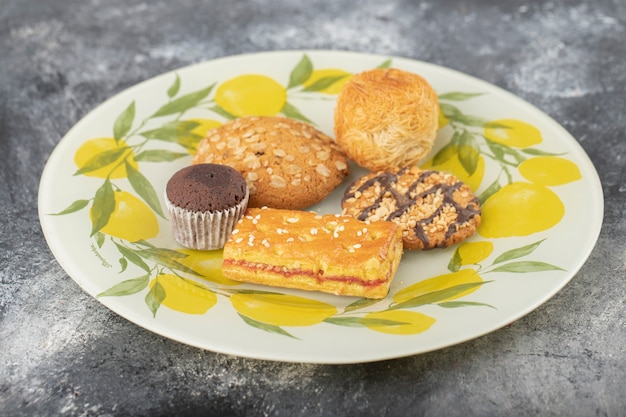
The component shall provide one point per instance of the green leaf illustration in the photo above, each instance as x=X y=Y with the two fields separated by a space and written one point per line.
x=184 y=103
x=324 y=82
x=133 y=257
x=75 y=206
x=539 y=152
x=360 y=303
x=447 y=151
x=517 y=156
x=498 y=150
x=144 y=188
x=436 y=296
x=219 y=110
x=518 y=252
x=176 y=132
x=290 y=110
x=455 y=262
x=100 y=238
x=127 y=287
x=301 y=72
x=102 y=159
x=457 y=304
x=363 y=322
x=496 y=125
x=158 y=155
x=123 y=264
x=458 y=96
x=170 y=253
x=469 y=120
x=155 y=297
x=468 y=152
x=265 y=327
x=124 y=122
x=526 y=266
x=385 y=64
x=169 y=131
x=489 y=191
x=162 y=257
x=173 y=90
x=449 y=110
x=103 y=206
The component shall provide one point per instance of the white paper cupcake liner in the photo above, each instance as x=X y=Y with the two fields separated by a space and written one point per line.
x=204 y=230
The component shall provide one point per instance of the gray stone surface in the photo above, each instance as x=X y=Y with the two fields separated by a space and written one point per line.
x=63 y=353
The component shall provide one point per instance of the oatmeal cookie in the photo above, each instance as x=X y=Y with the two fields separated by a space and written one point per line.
x=433 y=208
x=286 y=163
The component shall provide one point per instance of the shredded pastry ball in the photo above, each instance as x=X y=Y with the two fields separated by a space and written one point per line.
x=386 y=119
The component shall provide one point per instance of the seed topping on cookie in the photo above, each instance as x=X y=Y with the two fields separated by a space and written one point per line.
x=433 y=208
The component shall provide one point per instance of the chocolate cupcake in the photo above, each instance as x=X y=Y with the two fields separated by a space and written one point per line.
x=205 y=201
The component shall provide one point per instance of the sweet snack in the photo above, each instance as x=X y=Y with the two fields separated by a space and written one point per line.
x=330 y=253
x=434 y=209
x=386 y=119
x=286 y=163
x=204 y=203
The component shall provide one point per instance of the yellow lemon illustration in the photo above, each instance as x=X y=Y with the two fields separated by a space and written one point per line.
x=452 y=164
x=473 y=252
x=282 y=309
x=184 y=295
x=333 y=88
x=207 y=263
x=440 y=282
x=549 y=170
x=412 y=322
x=131 y=220
x=520 y=209
x=93 y=149
x=251 y=95
x=511 y=132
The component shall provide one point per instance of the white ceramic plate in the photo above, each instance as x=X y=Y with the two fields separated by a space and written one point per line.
x=550 y=212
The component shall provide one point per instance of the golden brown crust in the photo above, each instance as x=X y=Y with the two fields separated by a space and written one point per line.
x=286 y=163
x=303 y=250
x=386 y=119
x=434 y=209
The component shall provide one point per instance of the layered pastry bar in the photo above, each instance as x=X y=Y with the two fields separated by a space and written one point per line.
x=303 y=250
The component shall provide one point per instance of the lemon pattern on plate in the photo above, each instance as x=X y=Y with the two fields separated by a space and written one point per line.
x=251 y=95
x=124 y=209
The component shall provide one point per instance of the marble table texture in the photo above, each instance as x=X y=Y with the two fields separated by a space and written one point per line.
x=63 y=353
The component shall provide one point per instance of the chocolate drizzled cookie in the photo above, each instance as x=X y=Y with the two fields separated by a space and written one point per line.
x=433 y=208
